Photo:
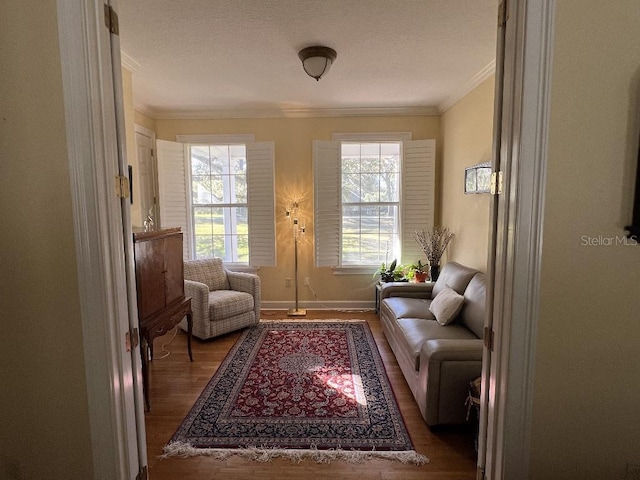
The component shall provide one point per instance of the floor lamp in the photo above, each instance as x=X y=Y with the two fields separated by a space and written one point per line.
x=298 y=232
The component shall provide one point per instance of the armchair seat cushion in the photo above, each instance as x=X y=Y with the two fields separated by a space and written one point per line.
x=229 y=303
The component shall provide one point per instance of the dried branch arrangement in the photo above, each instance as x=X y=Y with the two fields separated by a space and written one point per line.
x=434 y=243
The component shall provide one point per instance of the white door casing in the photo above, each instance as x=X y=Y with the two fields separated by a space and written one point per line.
x=91 y=102
x=522 y=148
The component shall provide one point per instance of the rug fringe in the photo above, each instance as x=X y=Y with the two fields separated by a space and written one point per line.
x=263 y=454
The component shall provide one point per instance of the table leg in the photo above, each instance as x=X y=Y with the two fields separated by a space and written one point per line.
x=144 y=345
x=189 y=334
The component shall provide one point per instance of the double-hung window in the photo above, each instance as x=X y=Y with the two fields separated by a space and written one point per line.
x=219 y=207
x=372 y=192
x=220 y=190
x=369 y=201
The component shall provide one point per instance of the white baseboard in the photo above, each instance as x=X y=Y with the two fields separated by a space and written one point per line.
x=315 y=305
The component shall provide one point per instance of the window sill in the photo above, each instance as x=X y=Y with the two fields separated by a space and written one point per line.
x=240 y=268
x=354 y=270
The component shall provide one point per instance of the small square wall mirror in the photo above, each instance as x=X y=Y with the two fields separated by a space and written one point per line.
x=477 y=179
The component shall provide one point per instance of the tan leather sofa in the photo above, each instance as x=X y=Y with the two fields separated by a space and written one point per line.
x=438 y=361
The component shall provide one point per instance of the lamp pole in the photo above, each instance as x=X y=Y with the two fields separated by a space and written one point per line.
x=297 y=231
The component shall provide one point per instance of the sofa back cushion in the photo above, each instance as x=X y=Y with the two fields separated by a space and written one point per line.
x=209 y=271
x=456 y=276
x=472 y=313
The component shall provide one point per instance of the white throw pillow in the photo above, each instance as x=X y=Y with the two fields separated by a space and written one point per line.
x=446 y=305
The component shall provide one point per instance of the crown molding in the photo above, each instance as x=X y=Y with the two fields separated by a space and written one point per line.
x=477 y=79
x=287 y=112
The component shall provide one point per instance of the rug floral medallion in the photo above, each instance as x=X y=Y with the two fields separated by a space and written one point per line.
x=301 y=390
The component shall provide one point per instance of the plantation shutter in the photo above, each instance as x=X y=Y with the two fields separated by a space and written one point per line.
x=326 y=196
x=172 y=190
x=261 y=191
x=418 y=194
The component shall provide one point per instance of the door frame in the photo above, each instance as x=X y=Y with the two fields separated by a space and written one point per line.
x=102 y=271
x=516 y=265
x=91 y=100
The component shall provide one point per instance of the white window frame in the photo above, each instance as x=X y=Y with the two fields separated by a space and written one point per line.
x=416 y=200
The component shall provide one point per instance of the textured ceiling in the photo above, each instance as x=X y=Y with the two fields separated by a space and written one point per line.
x=197 y=56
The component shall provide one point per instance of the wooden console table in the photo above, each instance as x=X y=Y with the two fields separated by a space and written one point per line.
x=160 y=291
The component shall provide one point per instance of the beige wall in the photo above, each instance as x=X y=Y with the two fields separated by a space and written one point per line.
x=293 y=146
x=145 y=121
x=467 y=138
x=586 y=417
x=44 y=432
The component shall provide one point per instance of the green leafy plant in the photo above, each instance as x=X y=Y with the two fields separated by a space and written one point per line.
x=391 y=273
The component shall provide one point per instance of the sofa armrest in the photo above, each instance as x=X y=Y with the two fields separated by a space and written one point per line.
x=248 y=283
x=446 y=368
x=451 y=349
x=406 y=289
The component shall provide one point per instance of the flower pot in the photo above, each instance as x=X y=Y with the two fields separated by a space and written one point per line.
x=421 y=276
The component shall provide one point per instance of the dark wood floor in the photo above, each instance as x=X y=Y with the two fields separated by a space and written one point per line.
x=176 y=383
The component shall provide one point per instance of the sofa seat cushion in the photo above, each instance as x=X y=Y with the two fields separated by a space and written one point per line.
x=414 y=332
x=404 y=307
x=228 y=303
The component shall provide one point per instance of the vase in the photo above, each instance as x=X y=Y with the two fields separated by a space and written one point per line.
x=434 y=270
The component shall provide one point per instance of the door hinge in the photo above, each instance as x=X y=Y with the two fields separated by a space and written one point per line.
x=488 y=338
x=143 y=474
x=503 y=13
x=131 y=339
x=496 y=183
x=152 y=153
x=111 y=19
x=122 y=186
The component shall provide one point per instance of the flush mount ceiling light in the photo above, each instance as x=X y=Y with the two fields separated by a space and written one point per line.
x=317 y=61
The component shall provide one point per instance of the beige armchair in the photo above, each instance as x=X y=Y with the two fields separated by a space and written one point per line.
x=222 y=301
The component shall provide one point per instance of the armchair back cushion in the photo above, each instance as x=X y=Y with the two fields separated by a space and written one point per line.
x=209 y=271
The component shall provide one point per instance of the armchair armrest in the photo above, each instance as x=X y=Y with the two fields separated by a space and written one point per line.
x=248 y=283
x=406 y=289
x=199 y=293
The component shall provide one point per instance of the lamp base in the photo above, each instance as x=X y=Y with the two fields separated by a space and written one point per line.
x=296 y=312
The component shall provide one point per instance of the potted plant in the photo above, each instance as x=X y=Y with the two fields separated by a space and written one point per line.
x=434 y=243
x=419 y=272
x=392 y=273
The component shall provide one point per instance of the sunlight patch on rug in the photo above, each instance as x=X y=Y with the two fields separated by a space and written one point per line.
x=303 y=390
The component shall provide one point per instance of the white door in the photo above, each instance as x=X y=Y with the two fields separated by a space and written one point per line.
x=131 y=361
x=90 y=65
x=523 y=72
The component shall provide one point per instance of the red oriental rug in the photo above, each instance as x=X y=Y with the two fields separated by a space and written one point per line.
x=298 y=390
